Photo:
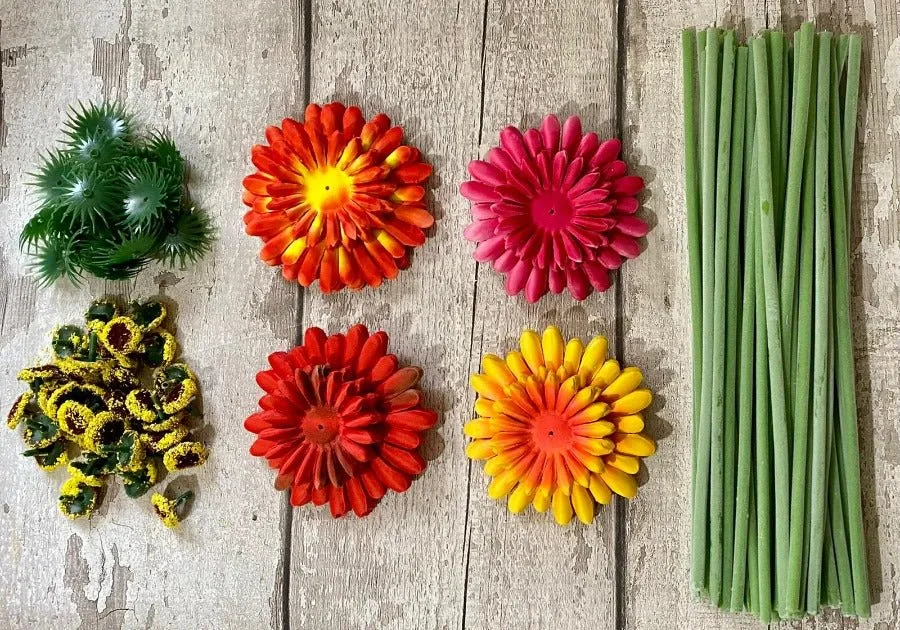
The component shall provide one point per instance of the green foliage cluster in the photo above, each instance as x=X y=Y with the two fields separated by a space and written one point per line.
x=111 y=202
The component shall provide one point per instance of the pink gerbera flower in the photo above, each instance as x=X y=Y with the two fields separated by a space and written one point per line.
x=553 y=208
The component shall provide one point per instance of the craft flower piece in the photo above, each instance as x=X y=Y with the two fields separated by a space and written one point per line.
x=167 y=509
x=553 y=208
x=559 y=425
x=336 y=198
x=341 y=421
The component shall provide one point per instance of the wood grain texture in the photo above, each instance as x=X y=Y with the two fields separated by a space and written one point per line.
x=402 y=566
x=524 y=570
x=443 y=555
x=178 y=68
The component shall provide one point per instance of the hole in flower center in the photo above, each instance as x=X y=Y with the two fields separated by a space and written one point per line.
x=551 y=432
x=320 y=425
x=327 y=189
x=551 y=210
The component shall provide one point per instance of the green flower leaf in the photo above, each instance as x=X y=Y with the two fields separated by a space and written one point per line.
x=91 y=198
x=51 y=178
x=108 y=118
x=145 y=196
x=55 y=258
x=97 y=148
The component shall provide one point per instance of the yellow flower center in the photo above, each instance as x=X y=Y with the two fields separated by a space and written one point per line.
x=328 y=188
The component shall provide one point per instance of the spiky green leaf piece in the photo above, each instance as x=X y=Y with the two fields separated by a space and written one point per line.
x=88 y=120
x=190 y=239
x=111 y=203
x=145 y=196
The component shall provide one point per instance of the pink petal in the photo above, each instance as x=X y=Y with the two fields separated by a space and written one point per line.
x=588 y=146
x=478 y=231
x=533 y=142
x=571 y=134
x=584 y=184
x=512 y=141
x=591 y=197
x=506 y=261
x=625 y=245
x=490 y=249
x=609 y=258
x=579 y=286
x=614 y=170
x=557 y=280
x=511 y=193
x=598 y=276
x=596 y=224
x=632 y=226
x=507 y=209
x=608 y=151
x=627 y=186
x=536 y=286
x=486 y=173
x=550 y=132
x=628 y=205
x=544 y=256
x=544 y=169
x=501 y=159
x=476 y=191
x=482 y=211
x=573 y=251
x=531 y=246
x=517 y=277
x=573 y=173
x=585 y=237
x=560 y=160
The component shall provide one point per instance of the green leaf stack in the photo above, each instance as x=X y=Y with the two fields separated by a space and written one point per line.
x=777 y=527
x=111 y=202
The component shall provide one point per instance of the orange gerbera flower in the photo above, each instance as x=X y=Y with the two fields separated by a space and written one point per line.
x=336 y=198
x=559 y=424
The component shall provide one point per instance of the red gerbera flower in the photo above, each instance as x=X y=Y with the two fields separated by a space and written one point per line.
x=341 y=421
x=553 y=208
x=336 y=198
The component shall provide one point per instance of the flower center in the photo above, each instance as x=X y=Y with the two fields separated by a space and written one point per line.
x=320 y=425
x=551 y=433
x=551 y=210
x=327 y=189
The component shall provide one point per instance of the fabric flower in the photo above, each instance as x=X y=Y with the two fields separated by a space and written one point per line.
x=77 y=499
x=162 y=441
x=121 y=336
x=185 y=455
x=17 y=412
x=337 y=199
x=553 y=209
x=559 y=426
x=167 y=509
x=104 y=430
x=341 y=421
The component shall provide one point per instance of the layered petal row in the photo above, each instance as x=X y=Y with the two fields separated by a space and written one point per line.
x=559 y=426
x=341 y=421
x=553 y=209
x=337 y=199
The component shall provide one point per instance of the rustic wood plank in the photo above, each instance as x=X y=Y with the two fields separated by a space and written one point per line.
x=657 y=313
x=403 y=565
x=168 y=63
x=524 y=570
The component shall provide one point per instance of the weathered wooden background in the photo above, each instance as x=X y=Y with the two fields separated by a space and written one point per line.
x=214 y=73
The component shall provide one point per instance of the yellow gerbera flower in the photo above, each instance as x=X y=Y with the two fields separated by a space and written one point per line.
x=559 y=425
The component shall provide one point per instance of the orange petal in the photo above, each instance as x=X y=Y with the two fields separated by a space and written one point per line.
x=412 y=173
x=414 y=215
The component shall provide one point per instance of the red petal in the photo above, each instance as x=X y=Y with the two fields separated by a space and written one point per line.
x=384 y=367
x=406 y=461
x=372 y=350
x=412 y=419
x=390 y=477
x=400 y=381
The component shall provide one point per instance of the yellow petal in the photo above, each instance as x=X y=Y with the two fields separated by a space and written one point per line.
x=516 y=363
x=479 y=449
x=636 y=401
x=520 y=499
x=478 y=429
x=635 y=444
x=583 y=504
x=594 y=355
x=582 y=399
x=562 y=507
x=486 y=387
x=293 y=251
x=567 y=391
x=592 y=462
x=553 y=347
x=598 y=446
x=572 y=358
x=531 y=350
x=502 y=484
x=541 y=501
x=630 y=424
x=591 y=413
x=607 y=373
x=495 y=368
x=627 y=381
x=598 y=429
x=600 y=491
x=484 y=407
x=619 y=482
x=496 y=465
x=625 y=463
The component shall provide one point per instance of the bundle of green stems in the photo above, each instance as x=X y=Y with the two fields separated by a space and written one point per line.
x=770 y=129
